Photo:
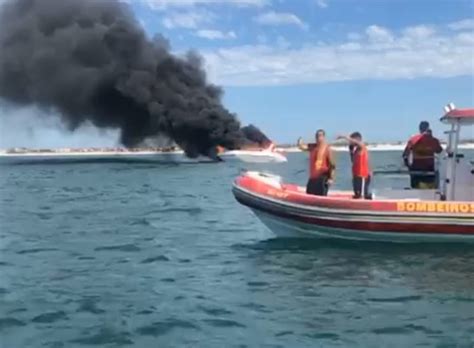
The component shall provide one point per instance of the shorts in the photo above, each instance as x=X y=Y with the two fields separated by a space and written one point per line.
x=361 y=187
x=423 y=182
x=318 y=186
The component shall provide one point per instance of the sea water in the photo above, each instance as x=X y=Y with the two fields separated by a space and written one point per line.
x=140 y=255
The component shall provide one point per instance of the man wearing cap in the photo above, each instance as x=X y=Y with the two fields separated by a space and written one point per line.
x=422 y=149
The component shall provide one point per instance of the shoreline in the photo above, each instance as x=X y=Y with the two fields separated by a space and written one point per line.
x=90 y=153
x=123 y=152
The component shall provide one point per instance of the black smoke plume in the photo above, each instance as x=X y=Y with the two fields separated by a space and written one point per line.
x=255 y=135
x=89 y=60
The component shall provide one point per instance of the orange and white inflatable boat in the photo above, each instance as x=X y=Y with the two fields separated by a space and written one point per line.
x=442 y=215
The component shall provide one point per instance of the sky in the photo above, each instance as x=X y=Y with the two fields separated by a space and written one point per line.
x=293 y=66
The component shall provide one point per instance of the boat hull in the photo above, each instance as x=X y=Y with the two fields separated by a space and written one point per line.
x=325 y=219
x=287 y=228
x=253 y=156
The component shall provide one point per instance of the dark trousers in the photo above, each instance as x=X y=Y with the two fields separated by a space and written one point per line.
x=318 y=186
x=361 y=187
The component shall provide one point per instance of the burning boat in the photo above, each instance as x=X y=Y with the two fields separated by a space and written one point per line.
x=257 y=148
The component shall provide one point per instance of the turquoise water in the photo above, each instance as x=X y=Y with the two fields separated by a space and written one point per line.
x=141 y=255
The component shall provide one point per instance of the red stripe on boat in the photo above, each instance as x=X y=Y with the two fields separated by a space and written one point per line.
x=365 y=226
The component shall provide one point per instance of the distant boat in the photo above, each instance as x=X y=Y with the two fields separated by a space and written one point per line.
x=254 y=156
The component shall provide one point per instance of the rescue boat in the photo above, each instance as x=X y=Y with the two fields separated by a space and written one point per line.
x=445 y=214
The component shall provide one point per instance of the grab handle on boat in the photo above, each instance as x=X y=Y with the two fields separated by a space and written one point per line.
x=270 y=176
x=403 y=172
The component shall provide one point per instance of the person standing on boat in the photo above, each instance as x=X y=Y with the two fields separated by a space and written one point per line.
x=321 y=164
x=360 y=165
x=422 y=149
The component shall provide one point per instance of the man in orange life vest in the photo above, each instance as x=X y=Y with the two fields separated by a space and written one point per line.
x=321 y=165
x=360 y=165
x=422 y=148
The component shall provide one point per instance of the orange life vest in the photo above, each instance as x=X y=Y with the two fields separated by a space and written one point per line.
x=319 y=161
x=423 y=149
x=360 y=162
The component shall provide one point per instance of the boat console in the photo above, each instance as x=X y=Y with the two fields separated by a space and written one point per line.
x=463 y=178
x=457 y=178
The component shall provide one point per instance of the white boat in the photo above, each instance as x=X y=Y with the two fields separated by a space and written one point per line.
x=253 y=156
x=171 y=157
